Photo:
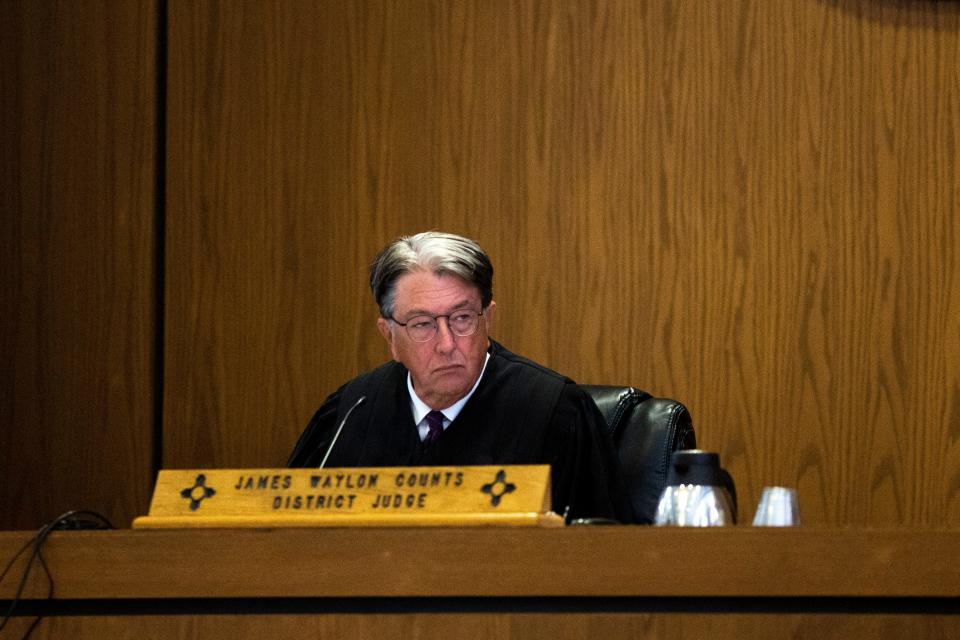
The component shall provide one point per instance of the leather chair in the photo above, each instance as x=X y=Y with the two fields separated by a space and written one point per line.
x=645 y=431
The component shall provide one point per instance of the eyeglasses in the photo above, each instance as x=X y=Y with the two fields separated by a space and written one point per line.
x=462 y=323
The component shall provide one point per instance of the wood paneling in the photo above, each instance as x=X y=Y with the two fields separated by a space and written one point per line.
x=514 y=626
x=747 y=205
x=77 y=106
x=779 y=565
x=612 y=582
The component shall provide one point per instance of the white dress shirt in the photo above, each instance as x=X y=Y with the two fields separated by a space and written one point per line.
x=420 y=409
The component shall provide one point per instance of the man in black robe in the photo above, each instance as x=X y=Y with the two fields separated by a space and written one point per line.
x=453 y=396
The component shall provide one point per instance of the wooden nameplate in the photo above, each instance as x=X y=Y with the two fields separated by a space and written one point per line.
x=513 y=495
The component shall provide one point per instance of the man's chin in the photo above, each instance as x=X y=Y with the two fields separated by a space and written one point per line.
x=452 y=386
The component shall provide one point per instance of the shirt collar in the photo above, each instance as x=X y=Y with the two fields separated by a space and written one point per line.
x=420 y=409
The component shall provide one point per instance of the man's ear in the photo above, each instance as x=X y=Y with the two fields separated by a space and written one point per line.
x=489 y=315
x=384 y=326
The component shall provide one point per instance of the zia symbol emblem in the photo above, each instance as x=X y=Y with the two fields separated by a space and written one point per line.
x=499 y=487
x=198 y=492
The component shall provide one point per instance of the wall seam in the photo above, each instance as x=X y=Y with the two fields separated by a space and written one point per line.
x=160 y=229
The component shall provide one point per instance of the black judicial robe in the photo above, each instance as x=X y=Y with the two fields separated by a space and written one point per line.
x=520 y=413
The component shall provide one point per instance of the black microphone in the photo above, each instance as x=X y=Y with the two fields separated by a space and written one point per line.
x=356 y=404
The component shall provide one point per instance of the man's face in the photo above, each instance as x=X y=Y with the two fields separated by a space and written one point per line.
x=446 y=367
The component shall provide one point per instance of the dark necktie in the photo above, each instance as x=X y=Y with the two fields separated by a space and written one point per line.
x=435 y=426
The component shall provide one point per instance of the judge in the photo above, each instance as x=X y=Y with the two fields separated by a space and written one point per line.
x=454 y=396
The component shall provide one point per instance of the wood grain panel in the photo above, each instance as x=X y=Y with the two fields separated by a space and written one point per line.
x=745 y=205
x=77 y=92
x=848 y=565
x=525 y=626
x=614 y=582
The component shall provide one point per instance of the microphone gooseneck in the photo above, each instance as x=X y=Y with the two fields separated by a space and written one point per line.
x=343 y=422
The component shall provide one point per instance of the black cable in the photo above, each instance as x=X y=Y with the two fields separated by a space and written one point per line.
x=9 y=612
x=35 y=541
x=46 y=569
x=70 y=520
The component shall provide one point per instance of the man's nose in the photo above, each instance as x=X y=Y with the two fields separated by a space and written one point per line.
x=445 y=337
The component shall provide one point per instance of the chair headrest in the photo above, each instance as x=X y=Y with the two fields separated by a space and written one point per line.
x=645 y=430
x=614 y=402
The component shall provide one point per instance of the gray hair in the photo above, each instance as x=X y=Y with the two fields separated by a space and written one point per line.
x=439 y=253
